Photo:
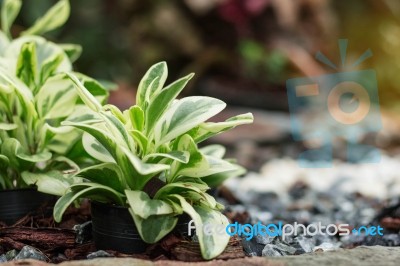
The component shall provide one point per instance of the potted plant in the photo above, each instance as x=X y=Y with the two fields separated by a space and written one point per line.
x=35 y=97
x=155 y=139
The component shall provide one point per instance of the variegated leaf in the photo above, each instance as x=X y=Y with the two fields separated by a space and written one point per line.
x=5 y=126
x=179 y=188
x=27 y=65
x=196 y=165
x=56 y=98
x=136 y=116
x=184 y=115
x=106 y=174
x=217 y=165
x=143 y=206
x=52 y=182
x=85 y=95
x=73 y=51
x=155 y=227
x=82 y=191
x=96 y=149
x=163 y=100
x=180 y=156
x=214 y=150
x=217 y=179
x=45 y=51
x=158 y=71
x=55 y=17
x=213 y=244
x=207 y=130
x=9 y=12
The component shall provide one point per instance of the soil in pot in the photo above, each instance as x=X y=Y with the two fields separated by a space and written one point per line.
x=17 y=203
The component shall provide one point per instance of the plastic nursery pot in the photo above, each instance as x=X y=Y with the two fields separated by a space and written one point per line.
x=113 y=229
x=182 y=226
x=16 y=203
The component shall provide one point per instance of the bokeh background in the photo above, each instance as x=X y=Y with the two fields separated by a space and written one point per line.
x=241 y=51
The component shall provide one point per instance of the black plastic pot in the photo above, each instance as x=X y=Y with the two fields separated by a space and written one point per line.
x=182 y=227
x=16 y=203
x=114 y=229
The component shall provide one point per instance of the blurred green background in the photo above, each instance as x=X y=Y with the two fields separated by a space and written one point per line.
x=241 y=51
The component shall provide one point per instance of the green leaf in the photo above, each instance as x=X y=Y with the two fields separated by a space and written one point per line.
x=201 y=198
x=73 y=51
x=25 y=98
x=136 y=116
x=135 y=172
x=95 y=88
x=217 y=165
x=210 y=245
x=118 y=130
x=104 y=193
x=207 y=130
x=143 y=206
x=155 y=227
x=85 y=190
x=141 y=172
x=7 y=126
x=4 y=161
x=184 y=115
x=55 y=17
x=67 y=162
x=196 y=165
x=85 y=95
x=52 y=182
x=46 y=51
x=140 y=140
x=96 y=149
x=9 y=12
x=50 y=66
x=56 y=98
x=105 y=139
x=214 y=150
x=180 y=156
x=27 y=65
x=162 y=101
x=15 y=153
x=4 y=42
x=217 y=179
x=158 y=71
x=179 y=188
x=106 y=174
x=115 y=112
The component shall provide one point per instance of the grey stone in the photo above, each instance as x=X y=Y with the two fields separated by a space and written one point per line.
x=3 y=258
x=270 y=251
x=260 y=239
x=83 y=232
x=392 y=239
x=327 y=246
x=285 y=249
x=251 y=247
x=11 y=254
x=307 y=244
x=28 y=252
x=98 y=254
